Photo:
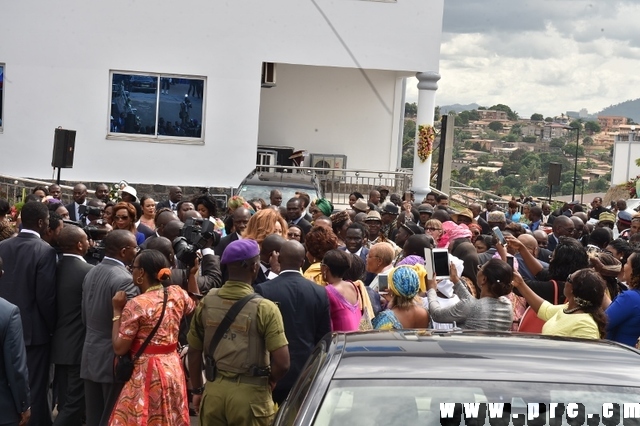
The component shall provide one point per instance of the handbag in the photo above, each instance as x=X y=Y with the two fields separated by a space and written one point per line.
x=123 y=364
x=530 y=323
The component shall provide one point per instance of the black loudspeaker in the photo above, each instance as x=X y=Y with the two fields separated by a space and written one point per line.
x=64 y=145
x=555 y=170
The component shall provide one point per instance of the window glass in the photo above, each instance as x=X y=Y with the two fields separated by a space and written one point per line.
x=1 y=92
x=156 y=105
x=299 y=392
x=408 y=402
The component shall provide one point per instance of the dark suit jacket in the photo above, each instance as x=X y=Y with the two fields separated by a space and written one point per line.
x=304 y=225
x=71 y=207
x=219 y=249
x=553 y=242
x=66 y=347
x=14 y=376
x=224 y=242
x=211 y=276
x=163 y=204
x=99 y=286
x=304 y=306
x=29 y=282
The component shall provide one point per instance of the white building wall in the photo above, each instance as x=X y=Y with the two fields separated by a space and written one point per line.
x=57 y=58
x=624 y=165
x=334 y=111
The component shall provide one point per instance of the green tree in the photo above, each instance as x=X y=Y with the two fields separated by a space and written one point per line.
x=408 y=143
x=548 y=120
x=410 y=109
x=570 y=149
x=587 y=141
x=496 y=126
x=476 y=146
x=530 y=139
x=557 y=143
x=511 y=137
x=516 y=129
x=483 y=159
x=436 y=114
x=537 y=117
x=511 y=115
x=592 y=127
x=576 y=124
x=631 y=121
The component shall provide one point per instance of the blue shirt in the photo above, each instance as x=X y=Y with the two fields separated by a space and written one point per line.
x=623 y=316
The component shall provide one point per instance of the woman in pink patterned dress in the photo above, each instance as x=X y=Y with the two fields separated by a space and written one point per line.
x=156 y=393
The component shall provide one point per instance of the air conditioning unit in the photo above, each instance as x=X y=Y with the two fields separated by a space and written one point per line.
x=268 y=74
x=329 y=161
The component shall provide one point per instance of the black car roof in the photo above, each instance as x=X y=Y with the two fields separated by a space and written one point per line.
x=278 y=179
x=407 y=354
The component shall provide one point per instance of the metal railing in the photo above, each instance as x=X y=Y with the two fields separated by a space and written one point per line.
x=337 y=184
x=12 y=188
x=466 y=195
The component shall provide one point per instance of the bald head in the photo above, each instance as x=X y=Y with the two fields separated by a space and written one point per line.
x=240 y=218
x=541 y=237
x=163 y=245
x=116 y=241
x=72 y=240
x=162 y=218
x=292 y=255
x=563 y=226
x=79 y=193
x=529 y=242
x=270 y=244
x=192 y=214
x=384 y=252
x=172 y=229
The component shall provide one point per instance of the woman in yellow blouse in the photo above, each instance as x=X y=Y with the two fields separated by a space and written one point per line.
x=582 y=315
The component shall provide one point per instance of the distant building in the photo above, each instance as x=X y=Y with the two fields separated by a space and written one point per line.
x=611 y=123
x=492 y=115
x=626 y=149
x=553 y=130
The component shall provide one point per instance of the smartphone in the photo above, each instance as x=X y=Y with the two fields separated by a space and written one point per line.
x=383 y=283
x=499 y=235
x=510 y=261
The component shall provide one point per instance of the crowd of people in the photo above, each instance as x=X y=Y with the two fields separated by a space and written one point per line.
x=102 y=281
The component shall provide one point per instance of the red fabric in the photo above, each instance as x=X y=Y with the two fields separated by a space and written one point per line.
x=530 y=323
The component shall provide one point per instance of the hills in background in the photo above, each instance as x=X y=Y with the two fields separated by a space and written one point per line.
x=629 y=109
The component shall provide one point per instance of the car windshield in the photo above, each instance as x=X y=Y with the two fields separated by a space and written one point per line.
x=414 y=402
x=249 y=192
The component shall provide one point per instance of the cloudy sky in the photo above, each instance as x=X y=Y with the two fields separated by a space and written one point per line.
x=545 y=56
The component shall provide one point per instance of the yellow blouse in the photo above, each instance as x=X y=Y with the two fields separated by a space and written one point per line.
x=570 y=325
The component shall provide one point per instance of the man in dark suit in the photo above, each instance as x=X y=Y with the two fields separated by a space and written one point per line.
x=304 y=306
x=79 y=199
x=98 y=288
x=29 y=283
x=175 y=196
x=270 y=247
x=14 y=376
x=562 y=227
x=240 y=220
x=68 y=338
x=162 y=217
x=295 y=215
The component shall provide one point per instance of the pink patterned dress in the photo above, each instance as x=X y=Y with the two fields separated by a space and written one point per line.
x=156 y=394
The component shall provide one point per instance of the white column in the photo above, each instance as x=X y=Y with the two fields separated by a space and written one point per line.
x=427 y=86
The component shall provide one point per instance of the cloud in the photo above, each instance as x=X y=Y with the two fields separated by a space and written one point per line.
x=546 y=56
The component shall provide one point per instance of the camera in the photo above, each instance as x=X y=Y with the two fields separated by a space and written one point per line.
x=193 y=237
x=96 y=233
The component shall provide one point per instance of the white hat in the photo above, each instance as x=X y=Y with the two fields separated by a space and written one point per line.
x=130 y=190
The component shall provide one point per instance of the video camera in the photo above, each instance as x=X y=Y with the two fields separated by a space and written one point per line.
x=95 y=233
x=194 y=236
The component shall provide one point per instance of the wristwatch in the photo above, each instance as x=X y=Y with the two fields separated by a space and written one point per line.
x=197 y=391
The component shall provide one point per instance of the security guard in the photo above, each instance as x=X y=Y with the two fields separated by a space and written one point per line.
x=251 y=356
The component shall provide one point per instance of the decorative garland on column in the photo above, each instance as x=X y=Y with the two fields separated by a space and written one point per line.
x=427 y=135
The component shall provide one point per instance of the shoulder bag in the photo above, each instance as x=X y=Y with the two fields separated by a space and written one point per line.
x=232 y=313
x=123 y=364
x=530 y=323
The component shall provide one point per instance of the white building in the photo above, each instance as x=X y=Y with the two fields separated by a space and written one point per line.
x=340 y=67
x=626 y=150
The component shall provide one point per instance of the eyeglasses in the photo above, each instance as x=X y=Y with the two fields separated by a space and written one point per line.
x=135 y=248
x=121 y=217
x=432 y=229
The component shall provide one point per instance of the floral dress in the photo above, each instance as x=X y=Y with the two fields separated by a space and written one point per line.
x=156 y=394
